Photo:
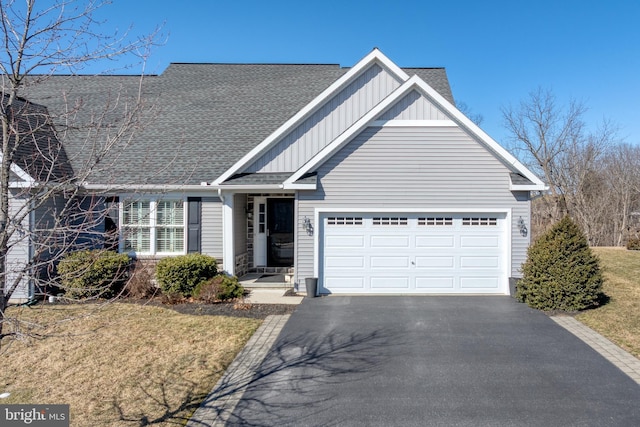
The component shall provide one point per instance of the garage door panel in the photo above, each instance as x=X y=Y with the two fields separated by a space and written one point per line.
x=435 y=283
x=345 y=262
x=479 y=262
x=390 y=282
x=435 y=241
x=435 y=262
x=479 y=241
x=479 y=282
x=344 y=283
x=355 y=241
x=390 y=242
x=389 y=262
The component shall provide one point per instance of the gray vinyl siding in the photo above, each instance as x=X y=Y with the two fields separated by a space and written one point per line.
x=212 y=227
x=413 y=106
x=18 y=256
x=240 y=223
x=411 y=167
x=520 y=243
x=324 y=125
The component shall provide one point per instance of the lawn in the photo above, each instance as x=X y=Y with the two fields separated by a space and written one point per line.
x=619 y=319
x=123 y=365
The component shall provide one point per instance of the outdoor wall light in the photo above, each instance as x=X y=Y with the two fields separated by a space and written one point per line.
x=308 y=227
x=523 y=227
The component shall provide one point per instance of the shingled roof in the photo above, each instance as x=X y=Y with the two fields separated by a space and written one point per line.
x=38 y=151
x=205 y=117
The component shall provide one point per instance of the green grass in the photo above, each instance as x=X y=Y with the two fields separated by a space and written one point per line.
x=619 y=319
x=122 y=364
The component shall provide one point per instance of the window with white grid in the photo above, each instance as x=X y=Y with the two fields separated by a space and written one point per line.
x=390 y=221
x=480 y=221
x=435 y=221
x=136 y=222
x=153 y=226
x=170 y=226
x=344 y=220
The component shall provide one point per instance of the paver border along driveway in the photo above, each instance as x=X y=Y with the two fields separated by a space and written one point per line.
x=449 y=361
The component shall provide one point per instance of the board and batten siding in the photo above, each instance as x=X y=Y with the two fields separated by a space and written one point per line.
x=19 y=254
x=325 y=124
x=413 y=106
x=212 y=227
x=440 y=168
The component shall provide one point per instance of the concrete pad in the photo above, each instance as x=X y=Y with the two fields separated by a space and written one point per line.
x=271 y=296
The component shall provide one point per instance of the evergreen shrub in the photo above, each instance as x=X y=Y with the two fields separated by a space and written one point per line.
x=220 y=288
x=181 y=274
x=93 y=273
x=561 y=271
x=633 y=244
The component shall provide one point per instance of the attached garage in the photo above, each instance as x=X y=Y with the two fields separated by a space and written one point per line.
x=414 y=253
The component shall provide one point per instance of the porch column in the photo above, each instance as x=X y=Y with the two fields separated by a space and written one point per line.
x=228 y=247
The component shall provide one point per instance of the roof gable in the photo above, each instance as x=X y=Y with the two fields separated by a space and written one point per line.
x=395 y=105
x=369 y=62
x=39 y=156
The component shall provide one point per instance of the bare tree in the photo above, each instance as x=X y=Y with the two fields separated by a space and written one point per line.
x=464 y=108
x=542 y=133
x=43 y=205
x=622 y=177
x=592 y=176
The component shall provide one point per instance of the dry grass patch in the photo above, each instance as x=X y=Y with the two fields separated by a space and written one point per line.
x=619 y=320
x=123 y=365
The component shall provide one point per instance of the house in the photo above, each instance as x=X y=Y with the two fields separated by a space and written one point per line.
x=367 y=178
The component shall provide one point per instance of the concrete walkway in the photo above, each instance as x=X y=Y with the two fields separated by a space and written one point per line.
x=271 y=296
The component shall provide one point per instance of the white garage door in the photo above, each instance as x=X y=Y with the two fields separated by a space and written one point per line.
x=413 y=253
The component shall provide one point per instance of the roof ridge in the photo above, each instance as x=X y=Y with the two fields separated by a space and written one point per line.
x=256 y=63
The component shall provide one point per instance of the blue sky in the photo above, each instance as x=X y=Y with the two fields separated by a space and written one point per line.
x=495 y=52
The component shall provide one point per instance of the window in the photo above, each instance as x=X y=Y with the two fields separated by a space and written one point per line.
x=342 y=220
x=435 y=221
x=169 y=226
x=153 y=226
x=480 y=221
x=136 y=223
x=389 y=221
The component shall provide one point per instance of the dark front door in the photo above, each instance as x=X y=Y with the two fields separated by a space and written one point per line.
x=280 y=232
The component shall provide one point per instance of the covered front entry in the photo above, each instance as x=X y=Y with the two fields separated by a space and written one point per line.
x=413 y=253
x=274 y=232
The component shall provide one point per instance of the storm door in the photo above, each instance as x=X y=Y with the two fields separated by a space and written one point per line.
x=280 y=232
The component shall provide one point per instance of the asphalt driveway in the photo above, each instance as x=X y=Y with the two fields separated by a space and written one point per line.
x=433 y=361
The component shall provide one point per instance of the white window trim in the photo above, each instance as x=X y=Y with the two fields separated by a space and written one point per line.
x=153 y=203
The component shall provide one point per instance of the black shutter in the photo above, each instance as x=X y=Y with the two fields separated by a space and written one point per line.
x=194 y=224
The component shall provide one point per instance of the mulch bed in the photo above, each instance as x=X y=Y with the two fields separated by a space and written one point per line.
x=231 y=308
x=255 y=311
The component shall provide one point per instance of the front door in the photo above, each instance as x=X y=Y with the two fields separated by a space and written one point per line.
x=280 y=232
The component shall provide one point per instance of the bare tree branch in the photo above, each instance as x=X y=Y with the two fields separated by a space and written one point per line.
x=54 y=213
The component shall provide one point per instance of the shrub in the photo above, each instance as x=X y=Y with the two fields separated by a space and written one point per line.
x=561 y=271
x=93 y=273
x=183 y=273
x=140 y=283
x=633 y=244
x=220 y=288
